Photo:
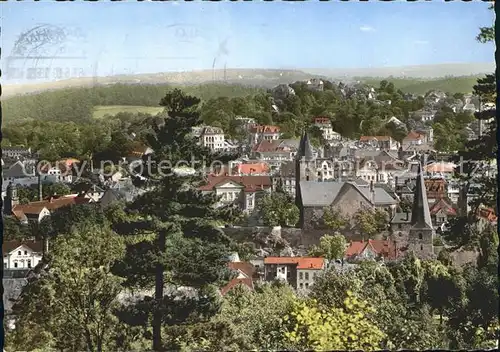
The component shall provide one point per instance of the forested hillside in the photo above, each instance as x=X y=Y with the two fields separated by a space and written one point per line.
x=77 y=104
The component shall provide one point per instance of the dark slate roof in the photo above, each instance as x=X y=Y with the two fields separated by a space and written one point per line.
x=322 y=194
x=420 y=215
x=305 y=148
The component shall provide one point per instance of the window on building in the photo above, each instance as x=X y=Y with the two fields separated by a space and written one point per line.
x=307 y=284
x=421 y=247
x=29 y=263
x=301 y=275
x=25 y=252
x=307 y=276
x=400 y=226
x=301 y=285
x=5 y=265
x=18 y=252
x=420 y=236
x=15 y=264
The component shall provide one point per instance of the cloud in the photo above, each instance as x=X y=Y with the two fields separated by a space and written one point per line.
x=366 y=29
x=421 y=42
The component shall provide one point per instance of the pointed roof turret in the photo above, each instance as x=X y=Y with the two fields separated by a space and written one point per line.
x=305 y=148
x=421 y=215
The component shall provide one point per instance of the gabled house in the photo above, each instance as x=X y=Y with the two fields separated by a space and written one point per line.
x=380 y=142
x=348 y=197
x=16 y=152
x=243 y=191
x=213 y=138
x=325 y=125
x=315 y=84
x=258 y=169
x=380 y=168
x=275 y=152
x=444 y=169
x=372 y=249
x=298 y=272
x=35 y=211
x=245 y=276
x=441 y=212
x=264 y=133
x=413 y=139
x=21 y=172
x=18 y=255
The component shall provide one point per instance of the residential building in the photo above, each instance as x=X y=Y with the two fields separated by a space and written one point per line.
x=315 y=84
x=312 y=197
x=243 y=191
x=413 y=139
x=257 y=169
x=441 y=212
x=381 y=142
x=325 y=125
x=380 y=168
x=212 y=138
x=16 y=152
x=21 y=173
x=275 y=152
x=440 y=169
x=260 y=133
x=19 y=255
x=372 y=249
x=245 y=276
x=298 y=272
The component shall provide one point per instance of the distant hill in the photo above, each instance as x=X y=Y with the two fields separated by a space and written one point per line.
x=420 y=72
x=247 y=77
x=265 y=78
x=421 y=86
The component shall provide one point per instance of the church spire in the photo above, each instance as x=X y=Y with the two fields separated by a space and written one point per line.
x=420 y=215
x=305 y=148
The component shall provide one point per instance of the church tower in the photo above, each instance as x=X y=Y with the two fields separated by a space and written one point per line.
x=422 y=232
x=305 y=169
x=11 y=199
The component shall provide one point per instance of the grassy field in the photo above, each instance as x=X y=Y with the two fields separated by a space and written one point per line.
x=453 y=85
x=101 y=111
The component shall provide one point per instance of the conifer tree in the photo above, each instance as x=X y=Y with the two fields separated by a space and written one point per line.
x=188 y=249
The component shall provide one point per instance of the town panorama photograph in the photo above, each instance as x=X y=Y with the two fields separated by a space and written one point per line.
x=249 y=176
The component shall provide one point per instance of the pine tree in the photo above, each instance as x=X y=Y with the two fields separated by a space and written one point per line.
x=188 y=248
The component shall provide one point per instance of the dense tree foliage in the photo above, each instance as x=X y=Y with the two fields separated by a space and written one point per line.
x=278 y=209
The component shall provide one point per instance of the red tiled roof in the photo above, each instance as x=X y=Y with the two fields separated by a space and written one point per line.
x=248 y=282
x=321 y=120
x=9 y=246
x=442 y=204
x=266 y=146
x=50 y=204
x=413 y=136
x=488 y=214
x=302 y=262
x=386 y=249
x=246 y=268
x=440 y=167
x=265 y=129
x=250 y=183
x=247 y=169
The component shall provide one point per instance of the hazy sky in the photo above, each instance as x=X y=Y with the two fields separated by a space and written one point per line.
x=138 y=37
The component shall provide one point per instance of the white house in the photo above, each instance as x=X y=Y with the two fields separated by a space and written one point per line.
x=21 y=255
x=264 y=133
x=324 y=124
x=213 y=138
